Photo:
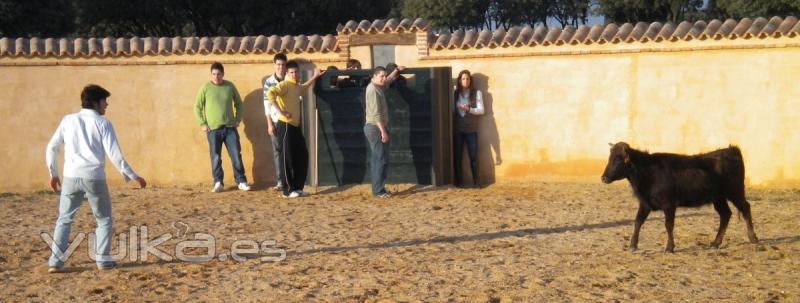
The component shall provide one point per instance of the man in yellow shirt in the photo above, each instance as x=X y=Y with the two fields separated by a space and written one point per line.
x=285 y=98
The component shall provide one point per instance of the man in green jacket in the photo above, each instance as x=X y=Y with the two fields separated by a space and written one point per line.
x=213 y=109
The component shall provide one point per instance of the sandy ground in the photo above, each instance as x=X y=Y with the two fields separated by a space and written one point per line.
x=529 y=241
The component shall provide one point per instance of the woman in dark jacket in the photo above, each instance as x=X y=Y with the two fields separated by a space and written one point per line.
x=468 y=109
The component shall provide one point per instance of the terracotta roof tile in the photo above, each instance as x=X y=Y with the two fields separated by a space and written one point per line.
x=622 y=33
x=539 y=34
x=565 y=35
x=637 y=33
x=442 y=41
x=652 y=31
x=726 y=29
x=741 y=28
x=625 y=33
x=710 y=29
x=114 y=47
x=795 y=30
x=511 y=37
x=580 y=35
x=496 y=38
x=329 y=43
x=666 y=32
x=681 y=31
x=383 y=26
x=470 y=39
x=484 y=37
x=551 y=37
x=524 y=36
x=50 y=47
x=755 y=28
x=786 y=26
x=287 y=43
x=760 y=28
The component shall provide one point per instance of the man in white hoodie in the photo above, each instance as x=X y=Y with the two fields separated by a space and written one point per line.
x=87 y=138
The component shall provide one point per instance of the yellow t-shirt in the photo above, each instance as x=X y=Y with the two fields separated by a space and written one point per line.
x=286 y=96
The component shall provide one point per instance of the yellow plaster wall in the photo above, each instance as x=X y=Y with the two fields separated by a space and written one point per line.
x=553 y=114
x=550 y=110
x=363 y=54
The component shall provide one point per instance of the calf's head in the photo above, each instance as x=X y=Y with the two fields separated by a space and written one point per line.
x=619 y=163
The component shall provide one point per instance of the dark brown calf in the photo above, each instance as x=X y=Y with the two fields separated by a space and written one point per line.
x=665 y=182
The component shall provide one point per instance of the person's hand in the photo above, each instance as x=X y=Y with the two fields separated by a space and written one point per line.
x=236 y=125
x=318 y=72
x=270 y=129
x=141 y=181
x=286 y=114
x=204 y=128
x=401 y=68
x=463 y=107
x=55 y=183
x=384 y=137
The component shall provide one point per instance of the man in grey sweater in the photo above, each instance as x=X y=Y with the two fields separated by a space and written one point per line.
x=376 y=128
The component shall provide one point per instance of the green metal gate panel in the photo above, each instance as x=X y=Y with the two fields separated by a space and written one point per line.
x=419 y=128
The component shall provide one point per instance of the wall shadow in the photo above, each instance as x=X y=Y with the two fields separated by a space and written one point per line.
x=255 y=130
x=488 y=137
x=526 y=232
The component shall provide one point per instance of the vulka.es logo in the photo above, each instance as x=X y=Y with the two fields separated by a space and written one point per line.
x=136 y=245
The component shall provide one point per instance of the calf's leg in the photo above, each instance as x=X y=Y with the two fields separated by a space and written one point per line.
x=744 y=207
x=641 y=215
x=669 y=223
x=721 y=206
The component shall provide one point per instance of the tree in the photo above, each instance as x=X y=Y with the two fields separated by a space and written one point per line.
x=452 y=15
x=757 y=8
x=647 y=10
x=570 y=12
x=43 y=18
x=507 y=13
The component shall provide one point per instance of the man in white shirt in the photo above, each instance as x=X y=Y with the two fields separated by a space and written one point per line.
x=279 y=63
x=87 y=138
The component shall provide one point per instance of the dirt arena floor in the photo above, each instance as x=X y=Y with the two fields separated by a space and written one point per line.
x=531 y=241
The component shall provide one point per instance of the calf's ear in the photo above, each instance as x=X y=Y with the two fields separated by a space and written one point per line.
x=610 y=144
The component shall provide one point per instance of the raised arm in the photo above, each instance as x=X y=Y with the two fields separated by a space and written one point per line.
x=317 y=74
x=395 y=73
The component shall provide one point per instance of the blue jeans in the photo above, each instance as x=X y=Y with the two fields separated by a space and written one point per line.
x=72 y=193
x=230 y=137
x=379 y=158
x=471 y=140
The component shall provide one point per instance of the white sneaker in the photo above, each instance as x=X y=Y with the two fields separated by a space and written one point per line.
x=217 y=187
x=301 y=193
x=244 y=187
x=294 y=194
x=278 y=187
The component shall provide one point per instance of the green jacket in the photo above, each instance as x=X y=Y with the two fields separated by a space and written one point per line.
x=213 y=106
